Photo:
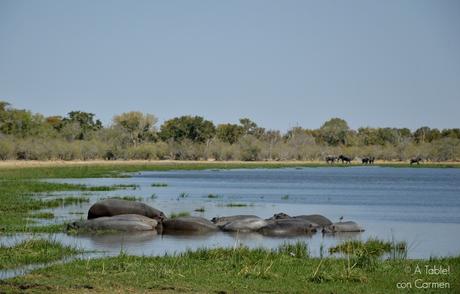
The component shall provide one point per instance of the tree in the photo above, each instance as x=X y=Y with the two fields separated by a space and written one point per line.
x=194 y=128
x=83 y=123
x=138 y=126
x=334 y=132
x=251 y=128
x=229 y=133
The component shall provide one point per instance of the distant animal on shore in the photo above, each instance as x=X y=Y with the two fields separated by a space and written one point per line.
x=416 y=160
x=368 y=160
x=344 y=159
x=331 y=159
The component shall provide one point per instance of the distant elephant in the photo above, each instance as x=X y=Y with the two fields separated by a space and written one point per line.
x=122 y=222
x=188 y=224
x=111 y=207
x=348 y=226
x=345 y=159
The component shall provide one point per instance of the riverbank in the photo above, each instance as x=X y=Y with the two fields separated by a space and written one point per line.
x=241 y=270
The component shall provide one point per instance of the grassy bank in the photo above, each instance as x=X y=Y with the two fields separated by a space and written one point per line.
x=33 y=251
x=241 y=270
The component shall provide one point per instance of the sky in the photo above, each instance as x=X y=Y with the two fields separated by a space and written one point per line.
x=280 y=63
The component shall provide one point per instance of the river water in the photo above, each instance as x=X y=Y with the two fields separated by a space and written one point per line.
x=418 y=205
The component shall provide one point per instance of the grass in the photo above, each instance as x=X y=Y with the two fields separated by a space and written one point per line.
x=285 y=197
x=288 y=269
x=33 y=251
x=159 y=185
x=200 y=209
x=373 y=247
x=183 y=195
x=179 y=214
x=236 y=205
x=128 y=198
x=213 y=196
x=43 y=215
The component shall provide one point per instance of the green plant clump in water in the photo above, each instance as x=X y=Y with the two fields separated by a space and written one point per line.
x=285 y=197
x=33 y=251
x=200 y=209
x=213 y=196
x=179 y=214
x=236 y=205
x=183 y=195
x=159 y=185
x=43 y=215
x=127 y=198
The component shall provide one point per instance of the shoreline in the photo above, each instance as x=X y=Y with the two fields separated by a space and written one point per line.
x=61 y=163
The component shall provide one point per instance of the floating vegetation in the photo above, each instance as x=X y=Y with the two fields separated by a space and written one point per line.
x=285 y=197
x=236 y=205
x=111 y=188
x=43 y=215
x=64 y=201
x=183 y=195
x=179 y=214
x=213 y=196
x=77 y=212
x=201 y=209
x=153 y=196
x=159 y=185
x=127 y=198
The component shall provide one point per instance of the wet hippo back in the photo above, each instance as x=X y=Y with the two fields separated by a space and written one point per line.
x=290 y=226
x=249 y=224
x=188 y=224
x=348 y=226
x=222 y=221
x=111 y=207
x=125 y=222
x=318 y=219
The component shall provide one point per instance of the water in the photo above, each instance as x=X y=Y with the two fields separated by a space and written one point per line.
x=420 y=206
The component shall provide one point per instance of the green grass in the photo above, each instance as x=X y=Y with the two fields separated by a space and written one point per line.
x=373 y=247
x=213 y=196
x=159 y=185
x=43 y=215
x=33 y=251
x=236 y=204
x=288 y=269
x=179 y=214
x=128 y=198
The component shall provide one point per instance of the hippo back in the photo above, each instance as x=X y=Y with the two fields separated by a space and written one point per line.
x=188 y=224
x=112 y=207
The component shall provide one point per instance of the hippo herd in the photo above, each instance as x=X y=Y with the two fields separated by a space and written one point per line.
x=130 y=216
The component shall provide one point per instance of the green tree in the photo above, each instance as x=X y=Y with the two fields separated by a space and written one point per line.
x=334 y=132
x=139 y=127
x=229 y=133
x=194 y=128
x=82 y=124
x=251 y=128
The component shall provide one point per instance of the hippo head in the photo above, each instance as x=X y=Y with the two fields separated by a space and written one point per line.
x=160 y=217
x=280 y=215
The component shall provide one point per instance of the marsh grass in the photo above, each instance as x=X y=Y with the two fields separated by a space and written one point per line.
x=43 y=215
x=200 y=209
x=214 y=196
x=159 y=185
x=227 y=270
x=285 y=197
x=236 y=205
x=183 y=195
x=33 y=251
x=127 y=198
x=179 y=214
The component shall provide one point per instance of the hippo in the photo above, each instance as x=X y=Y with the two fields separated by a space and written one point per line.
x=317 y=219
x=121 y=222
x=243 y=224
x=223 y=220
x=188 y=224
x=111 y=207
x=289 y=226
x=348 y=226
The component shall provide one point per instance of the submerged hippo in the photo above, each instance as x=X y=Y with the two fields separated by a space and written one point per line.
x=318 y=219
x=111 y=207
x=188 y=224
x=289 y=226
x=244 y=224
x=122 y=222
x=348 y=226
x=223 y=220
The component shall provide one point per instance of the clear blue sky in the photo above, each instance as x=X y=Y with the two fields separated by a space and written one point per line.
x=280 y=63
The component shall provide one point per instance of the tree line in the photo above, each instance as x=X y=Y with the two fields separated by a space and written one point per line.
x=135 y=135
